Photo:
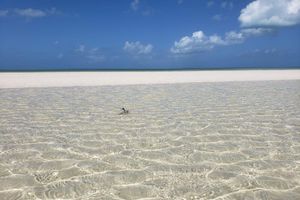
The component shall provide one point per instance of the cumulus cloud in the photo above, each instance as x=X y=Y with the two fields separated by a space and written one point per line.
x=135 y=4
x=198 y=41
x=258 y=18
x=3 y=13
x=260 y=13
x=234 y=37
x=137 y=48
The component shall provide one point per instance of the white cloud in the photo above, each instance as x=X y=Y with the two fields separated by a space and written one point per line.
x=29 y=12
x=261 y=13
x=257 y=19
x=247 y=32
x=92 y=54
x=270 y=51
x=135 y=4
x=95 y=55
x=137 y=48
x=264 y=52
x=35 y=13
x=200 y=42
x=233 y=37
x=196 y=43
x=3 y=13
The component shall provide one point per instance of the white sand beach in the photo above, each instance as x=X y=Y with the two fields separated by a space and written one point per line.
x=67 y=79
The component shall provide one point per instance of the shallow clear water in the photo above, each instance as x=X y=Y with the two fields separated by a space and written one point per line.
x=238 y=140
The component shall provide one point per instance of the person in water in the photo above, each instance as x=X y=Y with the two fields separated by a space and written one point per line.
x=124 y=111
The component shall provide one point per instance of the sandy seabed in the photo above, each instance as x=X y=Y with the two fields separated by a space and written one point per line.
x=237 y=140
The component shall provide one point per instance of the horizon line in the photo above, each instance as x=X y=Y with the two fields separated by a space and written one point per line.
x=147 y=69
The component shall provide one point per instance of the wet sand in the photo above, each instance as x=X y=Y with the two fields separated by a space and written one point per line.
x=234 y=140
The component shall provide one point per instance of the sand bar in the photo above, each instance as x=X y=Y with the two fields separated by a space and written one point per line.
x=69 y=79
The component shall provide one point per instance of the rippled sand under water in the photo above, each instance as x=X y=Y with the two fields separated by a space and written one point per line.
x=238 y=140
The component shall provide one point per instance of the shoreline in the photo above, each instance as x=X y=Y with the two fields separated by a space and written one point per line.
x=105 y=78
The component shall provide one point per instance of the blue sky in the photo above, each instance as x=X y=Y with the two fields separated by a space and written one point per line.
x=101 y=34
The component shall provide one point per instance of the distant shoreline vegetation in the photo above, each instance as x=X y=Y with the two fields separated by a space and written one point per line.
x=148 y=69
